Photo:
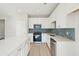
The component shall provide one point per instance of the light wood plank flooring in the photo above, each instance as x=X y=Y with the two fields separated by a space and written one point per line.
x=39 y=49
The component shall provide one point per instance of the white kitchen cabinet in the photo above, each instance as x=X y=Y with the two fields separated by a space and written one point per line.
x=13 y=53
x=48 y=40
x=65 y=49
x=26 y=48
x=16 y=52
x=63 y=46
x=21 y=34
x=22 y=50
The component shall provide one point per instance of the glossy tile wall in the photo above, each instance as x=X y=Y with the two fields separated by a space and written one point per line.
x=64 y=32
x=40 y=30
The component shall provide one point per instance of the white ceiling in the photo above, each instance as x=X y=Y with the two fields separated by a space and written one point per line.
x=32 y=9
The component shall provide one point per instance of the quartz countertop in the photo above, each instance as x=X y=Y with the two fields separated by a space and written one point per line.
x=9 y=44
x=59 y=38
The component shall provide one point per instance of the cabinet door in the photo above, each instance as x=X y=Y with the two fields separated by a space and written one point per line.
x=19 y=52
x=26 y=48
x=22 y=50
x=13 y=53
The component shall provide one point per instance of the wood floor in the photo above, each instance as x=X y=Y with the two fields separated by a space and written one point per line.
x=39 y=49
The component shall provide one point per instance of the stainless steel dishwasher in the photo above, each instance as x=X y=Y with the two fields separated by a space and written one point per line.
x=53 y=47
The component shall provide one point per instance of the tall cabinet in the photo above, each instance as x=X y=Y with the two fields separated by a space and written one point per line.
x=21 y=36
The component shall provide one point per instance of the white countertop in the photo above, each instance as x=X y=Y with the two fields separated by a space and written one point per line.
x=60 y=38
x=9 y=44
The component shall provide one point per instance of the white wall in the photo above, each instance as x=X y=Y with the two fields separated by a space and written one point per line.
x=64 y=20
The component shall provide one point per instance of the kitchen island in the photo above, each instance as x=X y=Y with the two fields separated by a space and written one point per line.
x=61 y=46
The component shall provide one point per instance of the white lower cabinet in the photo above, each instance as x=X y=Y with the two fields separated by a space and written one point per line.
x=13 y=53
x=62 y=46
x=22 y=50
x=16 y=52
x=64 y=49
x=19 y=52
